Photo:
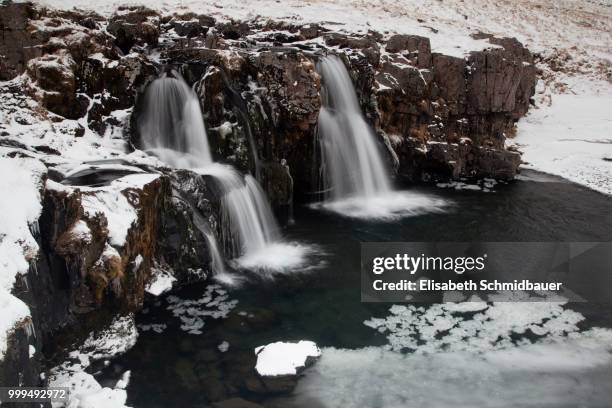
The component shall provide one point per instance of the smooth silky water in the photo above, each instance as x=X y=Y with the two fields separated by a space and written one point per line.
x=174 y=368
x=356 y=181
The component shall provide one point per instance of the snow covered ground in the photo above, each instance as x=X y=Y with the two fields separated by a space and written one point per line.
x=571 y=138
x=20 y=209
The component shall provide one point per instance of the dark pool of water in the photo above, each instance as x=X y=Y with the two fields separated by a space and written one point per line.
x=179 y=369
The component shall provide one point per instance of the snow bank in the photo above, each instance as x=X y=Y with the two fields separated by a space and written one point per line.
x=20 y=208
x=570 y=138
x=284 y=358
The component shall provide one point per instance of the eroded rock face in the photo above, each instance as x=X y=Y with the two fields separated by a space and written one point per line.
x=100 y=269
x=437 y=116
x=260 y=93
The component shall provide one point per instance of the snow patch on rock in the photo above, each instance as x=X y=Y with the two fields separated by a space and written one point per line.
x=85 y=391
x=160 y=282
x=282 y=358
x=20 y=208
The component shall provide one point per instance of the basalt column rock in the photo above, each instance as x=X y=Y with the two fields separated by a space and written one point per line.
x=448 y=116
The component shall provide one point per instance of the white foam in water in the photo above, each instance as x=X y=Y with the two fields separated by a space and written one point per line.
x=374 y=377
x=277 y=257
x=355 y=177
x=386 y=206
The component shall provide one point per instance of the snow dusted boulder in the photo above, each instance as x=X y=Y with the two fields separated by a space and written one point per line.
x=134 y=26
x=107 y=238
x=279 y=364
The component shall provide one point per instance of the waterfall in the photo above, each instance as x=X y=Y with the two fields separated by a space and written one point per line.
x=173 y=130
x=248 y=224
x=356 y=182
x=172 y=127
x=351 y=159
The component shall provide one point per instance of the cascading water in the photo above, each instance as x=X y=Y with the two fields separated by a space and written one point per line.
x=356 y=181
x=354 y=166
x=171 y=127
x=173 y=130
x=249 y=223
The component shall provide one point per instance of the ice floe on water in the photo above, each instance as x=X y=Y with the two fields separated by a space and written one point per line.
x=223 y=347
x=214 y=304
x=387 y=206
x=85 y=391
x=569 y=373
x=468 y=354
x=155 y=327
x=473 y=326
x=486 y=185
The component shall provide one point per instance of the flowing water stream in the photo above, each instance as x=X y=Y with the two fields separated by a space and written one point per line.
x=196 y=344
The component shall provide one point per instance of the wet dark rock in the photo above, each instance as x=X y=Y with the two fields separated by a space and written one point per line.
x=181 y=242
x=191 y=28
x=17 y=368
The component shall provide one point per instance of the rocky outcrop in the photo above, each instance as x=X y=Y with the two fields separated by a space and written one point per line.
x=261 y=94
x=469 y=104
